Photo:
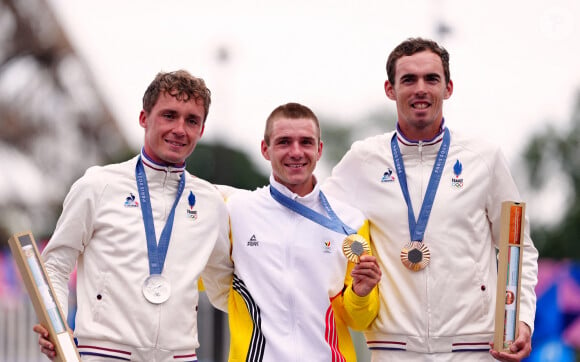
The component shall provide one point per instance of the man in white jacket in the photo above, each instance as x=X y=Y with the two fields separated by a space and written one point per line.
x=433 y=199
x=294 y=293
x=141 y=233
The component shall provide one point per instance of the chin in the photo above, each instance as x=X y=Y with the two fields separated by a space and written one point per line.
x=174 y=160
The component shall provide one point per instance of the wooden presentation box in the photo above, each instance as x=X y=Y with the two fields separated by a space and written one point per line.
x=511 y=247
x=29 y=262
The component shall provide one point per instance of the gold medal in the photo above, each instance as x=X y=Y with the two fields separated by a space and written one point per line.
x=415 y=255
x=355 y=246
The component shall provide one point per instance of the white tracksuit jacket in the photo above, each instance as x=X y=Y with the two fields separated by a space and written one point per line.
x=291 y=298
x=102 y=226
x=450 y=305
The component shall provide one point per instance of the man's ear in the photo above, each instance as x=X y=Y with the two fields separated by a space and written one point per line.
x=389 y=90
x=143 y=119
x=264 y=148
x=449 y=89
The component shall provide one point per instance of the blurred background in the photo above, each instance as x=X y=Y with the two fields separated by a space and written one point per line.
x=72 y=75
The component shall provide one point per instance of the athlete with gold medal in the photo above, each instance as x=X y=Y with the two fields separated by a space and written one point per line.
x=294 y=293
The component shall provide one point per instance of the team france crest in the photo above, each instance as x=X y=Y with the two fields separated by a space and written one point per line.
x=190 y=211
x=457 y=181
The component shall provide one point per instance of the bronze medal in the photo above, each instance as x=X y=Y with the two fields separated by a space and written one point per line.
x=415 y=255
x=355 y=246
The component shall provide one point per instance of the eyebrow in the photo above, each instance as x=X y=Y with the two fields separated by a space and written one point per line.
x=414 y=76
x=408 y=76
x=173 y=111
x=433 y=75
x=301 y=138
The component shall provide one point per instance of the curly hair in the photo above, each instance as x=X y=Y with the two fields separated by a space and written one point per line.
x=179 y=84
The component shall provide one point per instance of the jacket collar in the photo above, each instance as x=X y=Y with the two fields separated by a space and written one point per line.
x=411 y=146
x=308 y=199
x=147 y=161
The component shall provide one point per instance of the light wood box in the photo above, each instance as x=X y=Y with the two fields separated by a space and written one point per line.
x=511 y=247
x=47 y=308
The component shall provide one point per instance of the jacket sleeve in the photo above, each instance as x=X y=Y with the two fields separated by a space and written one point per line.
x=217 y=276
x=357 y=312
x=340 y=183
x=72 y=233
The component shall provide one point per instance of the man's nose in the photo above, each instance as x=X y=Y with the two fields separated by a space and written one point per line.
x=179 y=126
x=421 y=87
x=295 y=148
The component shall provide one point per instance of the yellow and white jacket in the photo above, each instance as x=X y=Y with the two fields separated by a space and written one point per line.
x=291 y=297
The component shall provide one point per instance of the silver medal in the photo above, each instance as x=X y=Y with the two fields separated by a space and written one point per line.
x=156 y=289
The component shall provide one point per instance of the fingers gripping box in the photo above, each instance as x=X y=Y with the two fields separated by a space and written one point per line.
x=29 y=262
x=509 y=275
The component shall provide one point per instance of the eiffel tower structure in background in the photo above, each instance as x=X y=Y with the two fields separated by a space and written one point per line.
x=53 y=121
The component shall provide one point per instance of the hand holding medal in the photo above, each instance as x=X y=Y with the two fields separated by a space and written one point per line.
x=355 y=246
x=365 y=274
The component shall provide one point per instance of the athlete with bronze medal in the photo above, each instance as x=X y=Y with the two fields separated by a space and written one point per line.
x=156 y=288
x=354 y=245
x=415 y=255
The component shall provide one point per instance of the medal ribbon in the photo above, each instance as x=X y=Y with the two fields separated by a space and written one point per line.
x=332 y=222
x=417 y=228
x=156 y=253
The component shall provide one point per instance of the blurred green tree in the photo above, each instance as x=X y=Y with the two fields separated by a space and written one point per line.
x=339 y=136
x=556 y=153
x=220 y=164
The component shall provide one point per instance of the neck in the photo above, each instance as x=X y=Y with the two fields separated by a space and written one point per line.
x=302 y=189
x=420 y=134
x=158 y=161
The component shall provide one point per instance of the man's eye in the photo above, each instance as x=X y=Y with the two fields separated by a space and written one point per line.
x=433 y=79
x=169 y=115
x=192 y=121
